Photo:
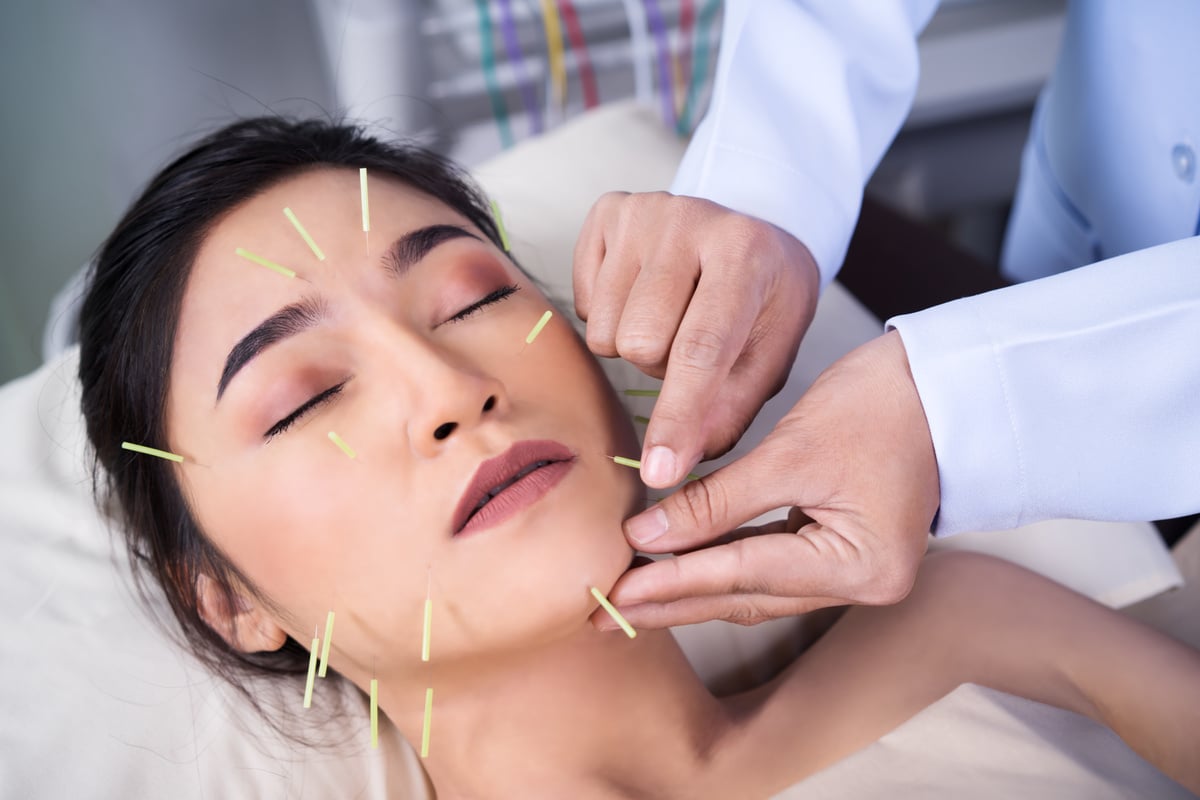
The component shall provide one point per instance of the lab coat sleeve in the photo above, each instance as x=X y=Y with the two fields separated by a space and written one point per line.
x=1074 y=396
x=807 y=97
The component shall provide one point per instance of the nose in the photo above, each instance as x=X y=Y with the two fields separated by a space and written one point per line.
x=455 y=400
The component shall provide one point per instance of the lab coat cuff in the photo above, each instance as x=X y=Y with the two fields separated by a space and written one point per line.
x=954 y=362
x=779 y=193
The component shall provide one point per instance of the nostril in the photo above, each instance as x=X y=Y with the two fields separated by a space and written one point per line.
x=489 y=404
x=444 y=430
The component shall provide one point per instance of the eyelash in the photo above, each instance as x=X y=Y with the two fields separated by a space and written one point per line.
x=291 y=419
x=294 y=417
x=494 y=297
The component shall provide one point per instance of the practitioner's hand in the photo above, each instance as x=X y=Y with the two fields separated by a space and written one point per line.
x=854 y=458
x=711 y=301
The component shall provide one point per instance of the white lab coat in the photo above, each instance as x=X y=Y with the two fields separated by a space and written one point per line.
x=1073 y=396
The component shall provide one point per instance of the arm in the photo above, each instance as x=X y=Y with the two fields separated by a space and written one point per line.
x=1072 y=396
x=976 y=619
x=807 y=97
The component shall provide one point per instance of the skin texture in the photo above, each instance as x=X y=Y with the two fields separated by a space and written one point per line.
x=713 y=302
x=530 y=699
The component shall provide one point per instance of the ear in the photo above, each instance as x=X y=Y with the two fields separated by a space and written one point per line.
x=246 y=627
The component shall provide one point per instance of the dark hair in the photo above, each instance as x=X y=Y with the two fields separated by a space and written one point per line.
x=127 y=331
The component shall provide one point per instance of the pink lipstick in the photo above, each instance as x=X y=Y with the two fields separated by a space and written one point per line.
x=511 y=482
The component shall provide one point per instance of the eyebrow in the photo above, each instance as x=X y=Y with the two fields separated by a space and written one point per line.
x=296 y=318
x=410 y=248
x=286 y=322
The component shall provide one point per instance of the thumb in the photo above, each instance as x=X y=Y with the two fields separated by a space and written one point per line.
x=705 y=509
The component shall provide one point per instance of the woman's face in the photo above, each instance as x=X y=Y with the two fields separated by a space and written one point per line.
x=408 y=343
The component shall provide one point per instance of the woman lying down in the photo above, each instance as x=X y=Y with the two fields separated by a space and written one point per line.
x=376 y=430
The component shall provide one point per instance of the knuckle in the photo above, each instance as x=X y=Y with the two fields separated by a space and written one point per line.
x=702 y=347
x=888 y=584
x=639 y=345
x=642 y=202
x=741 y=235
x=599 y=340
x=610 y=202
x=704 y=502
x=745 y=612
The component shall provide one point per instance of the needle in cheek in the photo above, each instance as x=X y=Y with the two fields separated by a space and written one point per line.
x=541 y=323
x=635 y=464
x=341 y=443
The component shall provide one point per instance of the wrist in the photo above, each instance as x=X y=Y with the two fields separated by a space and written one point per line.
x=910 y=425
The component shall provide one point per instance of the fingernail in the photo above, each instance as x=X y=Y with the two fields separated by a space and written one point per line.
x=659 y=466
x=648 y=526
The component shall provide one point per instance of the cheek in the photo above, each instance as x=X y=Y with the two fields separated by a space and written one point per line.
x=530 y=585
x=316 y=531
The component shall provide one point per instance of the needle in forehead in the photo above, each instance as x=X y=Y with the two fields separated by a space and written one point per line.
x=500 y=226
x=304 y=234
x=265 y=262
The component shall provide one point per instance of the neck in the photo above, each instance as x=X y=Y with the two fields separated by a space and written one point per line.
x=596 y=714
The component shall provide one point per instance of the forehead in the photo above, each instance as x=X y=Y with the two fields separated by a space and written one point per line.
x=228 y=294
x=326 y=201
x=326 y=204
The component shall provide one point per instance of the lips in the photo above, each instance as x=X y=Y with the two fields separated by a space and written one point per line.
x=510 y=482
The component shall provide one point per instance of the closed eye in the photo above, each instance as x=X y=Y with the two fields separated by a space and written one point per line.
x=494 y=297
x=291 y=419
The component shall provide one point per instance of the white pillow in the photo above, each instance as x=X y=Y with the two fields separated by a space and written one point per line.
x=96 y=701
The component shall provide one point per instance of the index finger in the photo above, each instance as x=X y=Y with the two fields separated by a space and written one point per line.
x=590 y=249
x=705 y=348
x=777 y=564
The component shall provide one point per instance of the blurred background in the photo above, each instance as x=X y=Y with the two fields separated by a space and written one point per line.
x=98 y=95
